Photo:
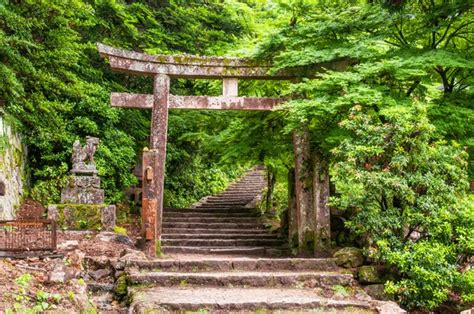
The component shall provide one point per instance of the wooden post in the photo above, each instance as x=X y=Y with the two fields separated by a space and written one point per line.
x=303 y=189
x=322 y=212
x=154 y=166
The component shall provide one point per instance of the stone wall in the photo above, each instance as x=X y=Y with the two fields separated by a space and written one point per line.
x=12 y=169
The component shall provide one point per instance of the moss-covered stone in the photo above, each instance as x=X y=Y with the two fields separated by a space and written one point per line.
x=80 y=216
x=13 y=172
x=121 y=287
x=377 y=292
x=349 y=257
x=369 y=274
x=158 y=248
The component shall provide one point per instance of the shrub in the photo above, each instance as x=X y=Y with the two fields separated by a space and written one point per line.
x=407 y=192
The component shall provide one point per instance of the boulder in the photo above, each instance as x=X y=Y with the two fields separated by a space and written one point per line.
x=129 y=254
x=99 y=274
x=349 y=257
x=390 y=308
x=114 y=237
x=76 y=258
x=57 y=275
x=376 y=291
x=369 y=274
x=68 y=245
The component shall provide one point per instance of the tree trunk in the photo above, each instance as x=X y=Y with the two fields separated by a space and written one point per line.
x=271 y=180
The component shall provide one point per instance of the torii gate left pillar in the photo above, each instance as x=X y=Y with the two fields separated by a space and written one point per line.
x=154 y=167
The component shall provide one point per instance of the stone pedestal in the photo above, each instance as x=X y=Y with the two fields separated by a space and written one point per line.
x=83 y=216
x=83 y=190
x=82 y=200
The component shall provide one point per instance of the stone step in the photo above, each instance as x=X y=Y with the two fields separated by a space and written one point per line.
x=230 y=192
x=237 y=194
x=219 y=225
x=197 y=231
x=246 y=185
x=213 y=220
x=240 y=201
x=237 y=250
x=221 y=206
x=243 y=187
x=242 y=300
x=229 y=198
x=221 y=242
x=242 y=279
x=168 y=236
x=236 y=264
x=225 y=210
x=217 y=215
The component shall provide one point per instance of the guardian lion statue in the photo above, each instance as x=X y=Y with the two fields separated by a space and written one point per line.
x=82 y=156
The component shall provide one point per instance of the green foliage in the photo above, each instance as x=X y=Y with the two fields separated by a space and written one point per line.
x=405 y=190
x=120 y=230
x=393 y=173
x=394 y=53
x=57 y=87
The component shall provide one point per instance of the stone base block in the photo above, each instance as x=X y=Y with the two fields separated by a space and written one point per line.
x=83 y=216
x=76 y=195
x=85 y=182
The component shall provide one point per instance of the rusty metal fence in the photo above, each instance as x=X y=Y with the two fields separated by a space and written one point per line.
x=28 y=235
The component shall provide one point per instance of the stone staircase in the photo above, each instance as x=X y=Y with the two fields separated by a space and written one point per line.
x=218 y=260
x=223 y=224
x=246 y=285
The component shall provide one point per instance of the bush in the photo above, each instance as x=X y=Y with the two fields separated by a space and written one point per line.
x=408 y=195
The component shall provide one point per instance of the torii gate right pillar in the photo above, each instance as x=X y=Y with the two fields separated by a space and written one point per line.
x=309 y=212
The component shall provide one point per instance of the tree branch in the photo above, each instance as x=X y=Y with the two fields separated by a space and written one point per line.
x=444 y=34
x=412 y=88
x=453 y=34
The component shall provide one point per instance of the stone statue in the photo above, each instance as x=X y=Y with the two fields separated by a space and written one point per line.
x=83 y=157
x=84 y=184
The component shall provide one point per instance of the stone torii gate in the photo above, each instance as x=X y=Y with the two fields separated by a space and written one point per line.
x=230 y=70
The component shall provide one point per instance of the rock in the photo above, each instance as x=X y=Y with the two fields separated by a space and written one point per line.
x=114 y=237
x=76 y=258
x=57 y=275
x=99 y=274
x=390 y=308
x=68 y=245
x=121 y=238
x=369 y=274
x=108 y=217
x=129 y=254
x=349 y=257
x=81 y=298
x=97 y=262
x=376 y=291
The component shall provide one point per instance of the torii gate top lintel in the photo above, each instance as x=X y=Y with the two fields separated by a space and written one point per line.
x=187 y=66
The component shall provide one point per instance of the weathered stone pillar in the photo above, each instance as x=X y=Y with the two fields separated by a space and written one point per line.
x=322 y=218
x=154 y=167
x=150 y=203
x=303 y=190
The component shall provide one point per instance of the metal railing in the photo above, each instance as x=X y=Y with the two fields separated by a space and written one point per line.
x=28 y=235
